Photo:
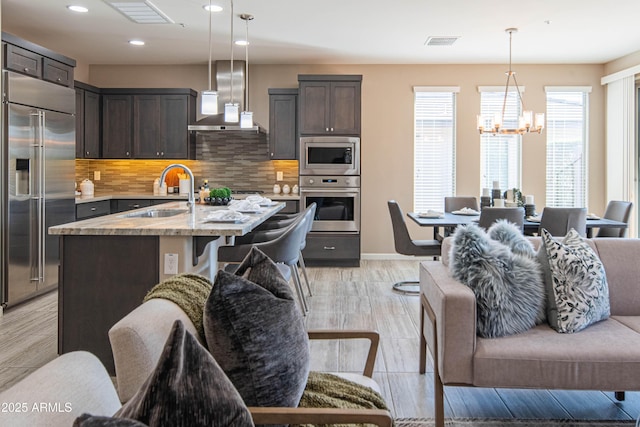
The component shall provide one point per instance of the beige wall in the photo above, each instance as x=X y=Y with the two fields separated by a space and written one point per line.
x=387 y=123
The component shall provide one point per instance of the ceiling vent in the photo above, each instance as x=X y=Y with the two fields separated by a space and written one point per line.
x=140 y=11
x=441 y=40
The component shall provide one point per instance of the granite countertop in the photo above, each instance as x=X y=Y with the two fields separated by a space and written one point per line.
x=170 y=197
x=184 y=224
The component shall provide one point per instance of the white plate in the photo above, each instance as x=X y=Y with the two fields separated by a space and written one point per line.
x=430 y=215
x=251 y=212
x=267 y=205
x=534 y=218
x=226 y=221
x=466 y=213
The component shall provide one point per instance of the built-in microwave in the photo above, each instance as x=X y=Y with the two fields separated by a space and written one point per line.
x=329 y=155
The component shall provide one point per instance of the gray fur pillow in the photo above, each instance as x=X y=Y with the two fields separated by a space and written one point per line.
x=508 y=286
x=508 y=234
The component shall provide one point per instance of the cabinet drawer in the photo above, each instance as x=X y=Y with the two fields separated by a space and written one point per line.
x=332 y=247
x=23 y=61
x=129 y=204
x=93 y=209
x=57 y=72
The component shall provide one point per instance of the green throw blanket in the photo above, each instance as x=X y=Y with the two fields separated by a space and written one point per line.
x=323 y=390
x=189 y=292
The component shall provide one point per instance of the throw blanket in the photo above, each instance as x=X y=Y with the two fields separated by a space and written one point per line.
x=326 y=390
x=189 y=292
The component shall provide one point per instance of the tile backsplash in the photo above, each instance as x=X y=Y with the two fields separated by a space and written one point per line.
x=237 y=164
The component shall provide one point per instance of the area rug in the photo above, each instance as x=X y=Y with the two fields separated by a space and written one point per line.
x=505 y=422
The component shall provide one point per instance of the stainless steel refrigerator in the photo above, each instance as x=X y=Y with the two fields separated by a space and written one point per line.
x=38 y=174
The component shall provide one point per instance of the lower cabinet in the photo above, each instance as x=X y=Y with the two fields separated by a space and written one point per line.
x=122 y=205
x=332 y=249
x=92 y=209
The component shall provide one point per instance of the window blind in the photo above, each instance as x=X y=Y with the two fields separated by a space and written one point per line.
x=566 y=148
x=500 y=154
x=434 y=148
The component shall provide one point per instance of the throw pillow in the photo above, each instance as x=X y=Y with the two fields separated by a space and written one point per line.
x=508 y=286
x=510 y=235
x=255 y=331
x=187 y=388
x=88 y=420
x=579 y=283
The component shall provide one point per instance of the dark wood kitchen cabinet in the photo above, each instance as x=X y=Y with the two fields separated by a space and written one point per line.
x=329 y=104
x=117 y=126
x=283 y=128
x=87 y=121
x=28 y=58
x=153 y=123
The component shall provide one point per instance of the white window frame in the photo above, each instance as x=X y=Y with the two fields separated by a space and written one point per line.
x=560 y=162
x=434 y=152
x=500 y=155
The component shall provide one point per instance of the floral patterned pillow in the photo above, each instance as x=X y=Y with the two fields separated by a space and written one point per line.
x=579 y=286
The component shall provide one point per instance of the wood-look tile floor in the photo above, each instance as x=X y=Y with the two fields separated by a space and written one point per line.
x=350 y=298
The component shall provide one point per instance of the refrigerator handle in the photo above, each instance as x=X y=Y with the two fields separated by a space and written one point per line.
x=40 y=178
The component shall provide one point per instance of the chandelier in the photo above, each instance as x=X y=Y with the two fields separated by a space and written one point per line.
x=526 y=123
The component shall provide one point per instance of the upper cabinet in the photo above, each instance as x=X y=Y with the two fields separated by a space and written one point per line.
x=283 y=130
x=148 y=123
x=87 y=121
x=329 y=104
x=36 y=61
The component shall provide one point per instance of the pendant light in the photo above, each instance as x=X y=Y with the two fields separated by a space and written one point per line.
x=231 y=109
x=528 y=122
x=246 y=117
x=209 y=98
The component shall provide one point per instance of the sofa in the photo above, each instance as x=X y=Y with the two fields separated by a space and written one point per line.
x=604 y=356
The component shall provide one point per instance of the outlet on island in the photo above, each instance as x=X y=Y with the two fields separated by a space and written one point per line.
x=170 y=263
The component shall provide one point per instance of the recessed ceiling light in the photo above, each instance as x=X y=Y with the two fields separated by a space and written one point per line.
x=136 y=42
x=80 y=9
x=213 y=8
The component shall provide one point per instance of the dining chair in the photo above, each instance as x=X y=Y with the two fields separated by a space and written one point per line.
x=405 y=245
x=489 y=215
x=558 y=221
x=456 y=203
x=617 y=210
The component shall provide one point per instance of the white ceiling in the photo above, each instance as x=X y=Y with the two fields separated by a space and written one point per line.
x=338 y=31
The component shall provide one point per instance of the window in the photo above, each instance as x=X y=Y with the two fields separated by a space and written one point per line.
x=500 y=154
x=567 y=146
x=434 y=147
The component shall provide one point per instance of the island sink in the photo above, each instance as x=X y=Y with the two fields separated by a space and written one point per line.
x=156 y=213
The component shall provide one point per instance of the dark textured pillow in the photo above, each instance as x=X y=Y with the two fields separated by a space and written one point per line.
x=255 y=331
x=509 y=292
x=187 y=388
x=579 y=293
x=88 y=420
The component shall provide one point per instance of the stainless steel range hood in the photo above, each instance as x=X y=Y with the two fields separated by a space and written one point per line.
x=224 y=77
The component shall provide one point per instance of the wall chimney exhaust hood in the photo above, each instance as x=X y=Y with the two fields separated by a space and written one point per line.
x=226 y=81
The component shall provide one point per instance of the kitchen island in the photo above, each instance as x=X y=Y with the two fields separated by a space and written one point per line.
x=109 y=263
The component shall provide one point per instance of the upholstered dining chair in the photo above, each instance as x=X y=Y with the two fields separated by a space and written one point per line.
x=617 y=210
x=456 y=203
x=489 y=215
x=406 y=246
x=558 y=221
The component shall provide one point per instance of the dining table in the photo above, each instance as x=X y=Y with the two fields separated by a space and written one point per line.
x=452 y=220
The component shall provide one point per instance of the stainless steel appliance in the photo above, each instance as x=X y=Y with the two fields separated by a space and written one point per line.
x=338 y=202
x=38 y=172
x=329 y=155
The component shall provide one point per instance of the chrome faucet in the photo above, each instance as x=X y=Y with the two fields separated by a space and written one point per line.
x=192 y=200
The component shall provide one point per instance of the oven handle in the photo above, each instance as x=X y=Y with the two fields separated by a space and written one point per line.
x=331 y=190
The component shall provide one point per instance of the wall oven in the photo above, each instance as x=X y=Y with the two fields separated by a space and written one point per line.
x=338 y=202
x=329 y=155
